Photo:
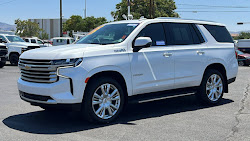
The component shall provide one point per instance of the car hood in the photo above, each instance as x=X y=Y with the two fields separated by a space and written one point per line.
x=21 y=44
x=59 y=52
x=245 y=55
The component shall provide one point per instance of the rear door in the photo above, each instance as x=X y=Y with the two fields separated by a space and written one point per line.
x=189 y=53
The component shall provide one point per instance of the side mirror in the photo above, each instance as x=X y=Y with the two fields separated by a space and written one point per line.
x=1 y=40
x=141 y=42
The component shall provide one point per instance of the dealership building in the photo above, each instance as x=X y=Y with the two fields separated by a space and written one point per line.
x=50 y=26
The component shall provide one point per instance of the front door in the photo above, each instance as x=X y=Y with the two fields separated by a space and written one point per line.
x=153 y=68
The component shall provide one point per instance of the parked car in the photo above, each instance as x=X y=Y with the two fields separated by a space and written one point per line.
x=244 y=45
x=62 y=41
x=243 y=58
x=37 y=41
x=119 y=60
x=16 y=46
x=3 y=54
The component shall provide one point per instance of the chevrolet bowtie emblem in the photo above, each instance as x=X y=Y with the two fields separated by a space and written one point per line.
x=27 y=67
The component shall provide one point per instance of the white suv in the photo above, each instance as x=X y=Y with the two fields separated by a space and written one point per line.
x=121 y=59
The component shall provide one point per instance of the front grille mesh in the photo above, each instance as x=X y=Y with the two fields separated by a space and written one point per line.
x=3 y=51
x=40 y=71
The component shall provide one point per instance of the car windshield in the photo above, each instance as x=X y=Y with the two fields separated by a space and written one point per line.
x=14 y=39
x=239 y=52
x=108 y=34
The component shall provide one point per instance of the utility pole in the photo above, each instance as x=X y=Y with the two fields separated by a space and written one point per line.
x=61 y=34
x=85 y=10
x=151 y=9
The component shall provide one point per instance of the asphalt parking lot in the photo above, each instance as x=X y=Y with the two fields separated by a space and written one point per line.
x=181 y=118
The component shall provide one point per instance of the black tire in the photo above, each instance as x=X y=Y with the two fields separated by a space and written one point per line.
x=242 y=63
x=14 y=58
x=2 y=64
x=87 y=109
x=202 y=91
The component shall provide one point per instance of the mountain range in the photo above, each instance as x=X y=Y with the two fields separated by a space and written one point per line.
x=7 y=27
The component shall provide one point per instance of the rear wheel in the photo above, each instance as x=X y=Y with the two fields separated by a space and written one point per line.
x=212 y=87
x=103 y=100
x=14 y=58
x=241 y=63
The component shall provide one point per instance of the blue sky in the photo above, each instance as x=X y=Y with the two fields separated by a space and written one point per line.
x=26 y=9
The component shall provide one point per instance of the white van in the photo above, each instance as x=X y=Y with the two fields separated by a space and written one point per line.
x=62 y=41
x=35 y=40
x=244 y=45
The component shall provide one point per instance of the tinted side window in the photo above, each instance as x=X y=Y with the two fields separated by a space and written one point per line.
x=3 y=38
x=155 y=32
x=220 y=33
x=33 y=41
x=182 y=34
x=26 y=40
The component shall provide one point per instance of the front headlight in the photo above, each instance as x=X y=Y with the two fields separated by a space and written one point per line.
x=67 y=62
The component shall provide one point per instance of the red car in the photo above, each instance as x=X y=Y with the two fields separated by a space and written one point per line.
x=243 y=58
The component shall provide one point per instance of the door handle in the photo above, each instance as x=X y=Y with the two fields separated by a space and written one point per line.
x=200 y=52
x=166 y=54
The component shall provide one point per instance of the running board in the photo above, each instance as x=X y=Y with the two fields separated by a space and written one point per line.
x=154 y=96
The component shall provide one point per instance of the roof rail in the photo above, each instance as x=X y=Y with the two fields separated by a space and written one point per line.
x=184 y=19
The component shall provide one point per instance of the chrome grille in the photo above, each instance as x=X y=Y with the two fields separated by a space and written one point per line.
x=40 y=71
x=3 y=51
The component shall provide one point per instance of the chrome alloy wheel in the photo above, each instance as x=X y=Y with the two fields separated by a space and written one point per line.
x=214 y=87
x=106 y=101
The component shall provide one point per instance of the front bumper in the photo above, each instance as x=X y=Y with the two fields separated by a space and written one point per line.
x=3 y=59
x=68 y=89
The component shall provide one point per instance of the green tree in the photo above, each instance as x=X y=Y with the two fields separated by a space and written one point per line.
x=27 y=28
x=77 y=23
x=44 y=35
x=161 y=8
x=243 y=35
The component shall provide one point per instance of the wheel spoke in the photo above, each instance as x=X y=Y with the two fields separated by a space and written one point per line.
x=99 y=110
x=108 y=88
x=219 y=80
x=114 y=92
x=116 y=98
x=96 y=102
x=110 y=111
x=103 y=112
x=210 y=93
x=217 y=86
x=103 y=90
x=214 y=78
x=113 y=106
x=97 y=96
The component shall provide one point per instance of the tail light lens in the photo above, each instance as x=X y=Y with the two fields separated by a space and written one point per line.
x=235 y=49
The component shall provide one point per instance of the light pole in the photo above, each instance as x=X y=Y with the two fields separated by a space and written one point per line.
x=85 y=10
x=61 y=34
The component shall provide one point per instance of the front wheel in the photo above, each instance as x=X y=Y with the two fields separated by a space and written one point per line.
x=212 y=87
x=14 y=58
x=103 y=100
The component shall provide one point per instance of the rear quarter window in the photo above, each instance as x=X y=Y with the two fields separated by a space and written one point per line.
x=220 y=33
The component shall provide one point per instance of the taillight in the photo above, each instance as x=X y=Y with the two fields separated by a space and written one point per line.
x=236 y=54
x=235 y=49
